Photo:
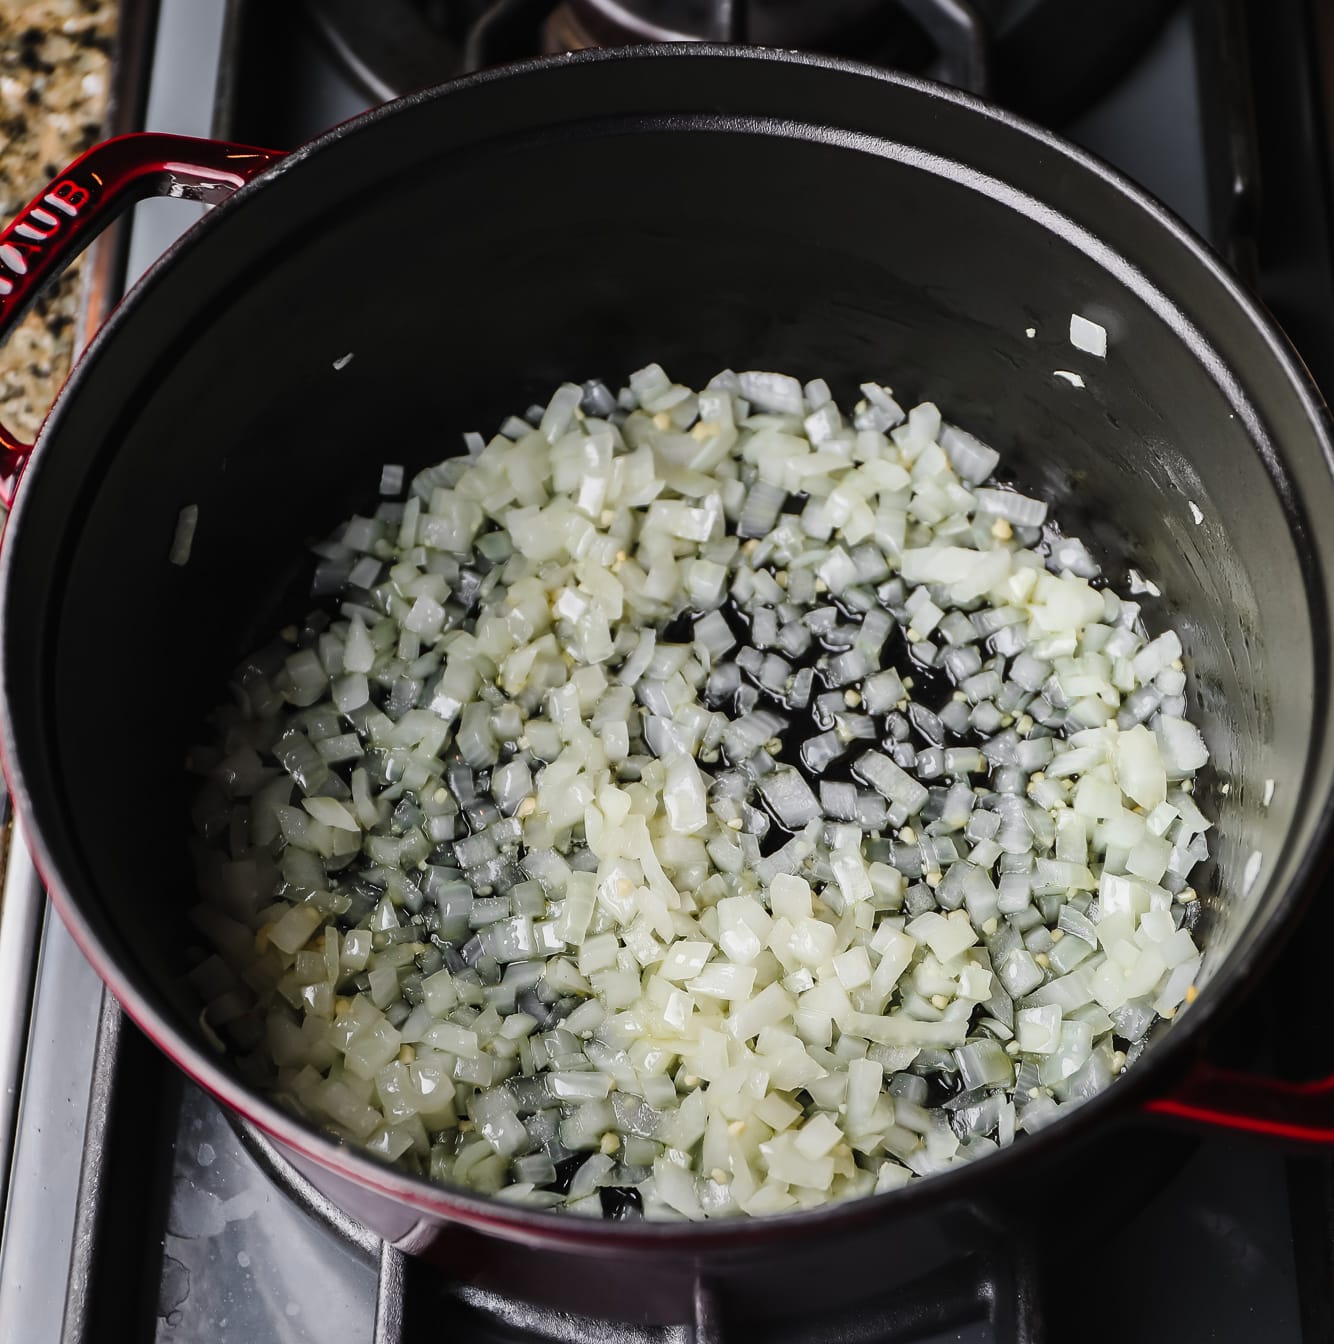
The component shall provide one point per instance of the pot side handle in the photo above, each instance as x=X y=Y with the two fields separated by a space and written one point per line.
x=58 y=223
x=1224 y=1100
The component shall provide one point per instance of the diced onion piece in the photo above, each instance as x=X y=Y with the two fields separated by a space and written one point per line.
x=183 y=539
x=1088 y=335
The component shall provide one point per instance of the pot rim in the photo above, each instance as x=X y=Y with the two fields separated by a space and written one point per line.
x=965 y=1183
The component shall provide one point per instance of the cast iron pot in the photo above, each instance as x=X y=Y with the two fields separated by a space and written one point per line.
x=433 y=264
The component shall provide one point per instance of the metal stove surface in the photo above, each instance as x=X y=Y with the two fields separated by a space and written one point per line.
x=136 y=1211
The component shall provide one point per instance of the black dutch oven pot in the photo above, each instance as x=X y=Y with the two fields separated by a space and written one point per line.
x=703 y=207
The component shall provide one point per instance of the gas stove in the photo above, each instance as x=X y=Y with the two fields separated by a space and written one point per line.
x=136 y=1210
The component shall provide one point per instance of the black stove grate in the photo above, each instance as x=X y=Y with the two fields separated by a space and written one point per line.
x=1034 y=56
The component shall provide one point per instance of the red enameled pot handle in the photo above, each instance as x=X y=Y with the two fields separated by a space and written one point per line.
x=64 y=218
x=1220 y=1099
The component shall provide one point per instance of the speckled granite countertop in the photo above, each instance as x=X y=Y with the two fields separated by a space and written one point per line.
x=55 y=58
x=54 y=73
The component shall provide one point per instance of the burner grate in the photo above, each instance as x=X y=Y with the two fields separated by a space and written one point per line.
x=1034 y=56
x=994 y=1300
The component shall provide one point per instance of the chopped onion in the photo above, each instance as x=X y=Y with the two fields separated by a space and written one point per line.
x=1088 y=335
x=183 y=540
x=534 y=856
